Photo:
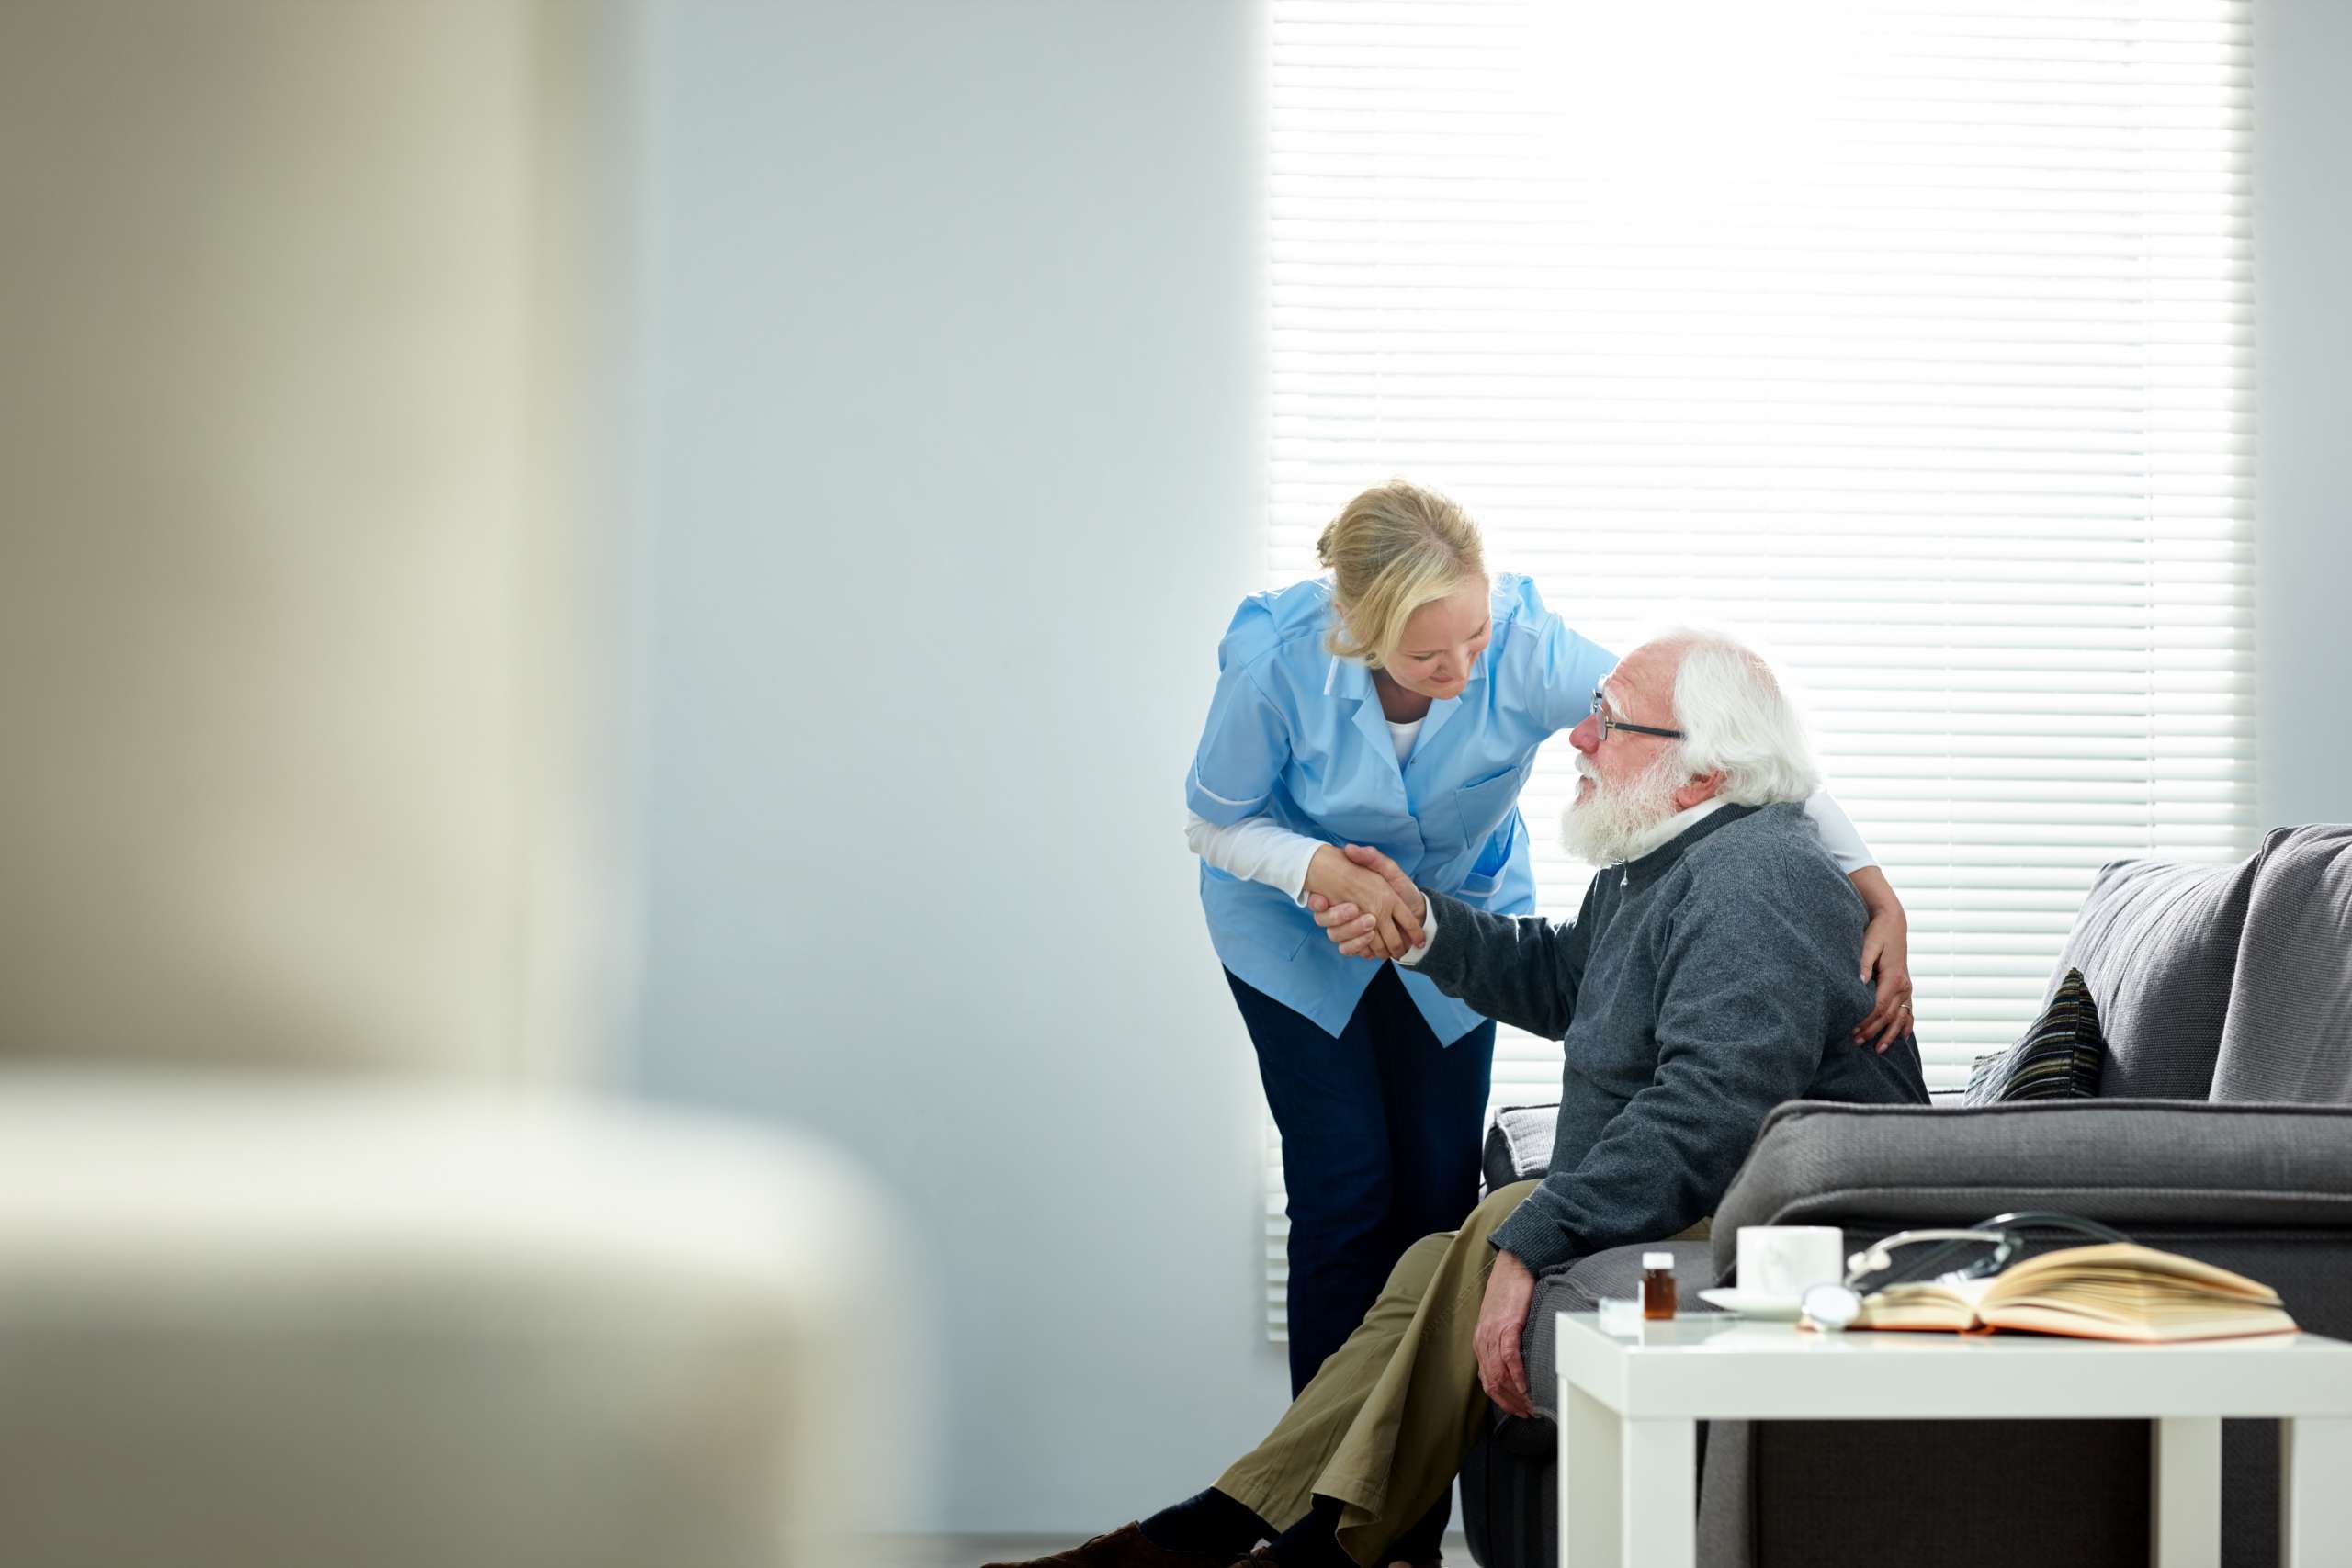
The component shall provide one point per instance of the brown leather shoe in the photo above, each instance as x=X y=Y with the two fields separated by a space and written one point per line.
x=1265 y=1558
x=1123 y=1548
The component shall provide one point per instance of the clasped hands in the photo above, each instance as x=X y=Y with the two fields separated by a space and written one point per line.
x=1365 y=903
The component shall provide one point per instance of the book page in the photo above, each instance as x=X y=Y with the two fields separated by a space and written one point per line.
x=1923 y=1303
x=2044 y=1316
x=2114 y=1266
x=2113 y=1291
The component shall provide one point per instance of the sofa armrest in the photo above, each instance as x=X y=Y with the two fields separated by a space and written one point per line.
x=1519 y=1144
x=2126 y=1162
x=1612 y=1275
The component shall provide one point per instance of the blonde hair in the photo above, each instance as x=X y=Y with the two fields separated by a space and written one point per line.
x=1391 y=550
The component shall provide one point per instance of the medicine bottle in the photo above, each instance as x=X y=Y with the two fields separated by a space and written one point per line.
x=1658 y=1284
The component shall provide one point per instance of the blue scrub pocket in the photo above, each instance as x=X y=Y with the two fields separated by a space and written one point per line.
x=1486 y=873
x=1484 y=807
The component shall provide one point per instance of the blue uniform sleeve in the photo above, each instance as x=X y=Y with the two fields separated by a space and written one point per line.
x=1244 y=746
x=1550 y=671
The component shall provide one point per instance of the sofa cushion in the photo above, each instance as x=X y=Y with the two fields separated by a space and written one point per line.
x=325 y=1320
x=2289 y=1034
x=1615 y=1275
x=2158 y=943
x=2060 y=1057
x=2128 y=1163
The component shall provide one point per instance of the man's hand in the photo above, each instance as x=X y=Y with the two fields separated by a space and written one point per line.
x=1501 y=1318
x=1357 y=927
x=1384 y=907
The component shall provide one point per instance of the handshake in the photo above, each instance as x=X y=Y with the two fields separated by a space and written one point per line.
x=1365 y=903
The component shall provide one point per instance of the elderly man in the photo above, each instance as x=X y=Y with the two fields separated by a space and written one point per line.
x=1712 y=972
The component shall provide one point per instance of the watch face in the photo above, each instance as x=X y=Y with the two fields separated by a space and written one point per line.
x=1832 y=1306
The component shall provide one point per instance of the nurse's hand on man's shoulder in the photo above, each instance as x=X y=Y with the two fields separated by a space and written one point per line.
x=1365 y=903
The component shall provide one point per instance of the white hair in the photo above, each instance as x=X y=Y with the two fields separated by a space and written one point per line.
x=1737 y=721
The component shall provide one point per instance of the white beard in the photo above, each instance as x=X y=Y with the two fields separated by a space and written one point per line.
x=1608 y=826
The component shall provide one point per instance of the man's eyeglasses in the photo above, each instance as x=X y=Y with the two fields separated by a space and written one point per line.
x=1601 y=712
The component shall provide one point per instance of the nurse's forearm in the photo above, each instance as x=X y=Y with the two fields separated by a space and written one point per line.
x=1878 y=894
x=1254 y=849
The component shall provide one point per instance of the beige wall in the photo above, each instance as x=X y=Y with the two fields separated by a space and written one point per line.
x=288 y=695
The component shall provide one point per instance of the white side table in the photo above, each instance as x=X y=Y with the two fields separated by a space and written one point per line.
x=1630 y=1408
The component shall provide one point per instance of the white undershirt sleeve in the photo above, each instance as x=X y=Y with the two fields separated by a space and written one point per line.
x=1429 y=934
x=1256 y=849
x=1838 y=834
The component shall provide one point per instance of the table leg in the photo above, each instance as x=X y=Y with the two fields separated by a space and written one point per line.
x=2185 y=1492
x=2316 y=1505
x=1660 y=1488
x=1590 y=1465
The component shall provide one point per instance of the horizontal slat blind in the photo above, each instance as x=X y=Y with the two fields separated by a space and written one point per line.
x=1910 y=339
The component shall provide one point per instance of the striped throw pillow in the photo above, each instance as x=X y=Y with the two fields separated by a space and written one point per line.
x=2058 y=1059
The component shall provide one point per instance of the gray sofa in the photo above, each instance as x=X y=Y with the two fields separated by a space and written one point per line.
x=2223 y=1130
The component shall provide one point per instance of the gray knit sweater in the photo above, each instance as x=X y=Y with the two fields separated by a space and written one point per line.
x=1700 y=987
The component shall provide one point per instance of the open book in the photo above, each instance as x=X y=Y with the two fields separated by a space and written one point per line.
x=2115 y=1290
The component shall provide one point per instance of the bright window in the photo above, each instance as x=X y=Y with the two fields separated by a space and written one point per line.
x=1913 y=340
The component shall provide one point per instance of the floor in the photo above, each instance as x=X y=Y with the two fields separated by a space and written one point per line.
x=970 y=1550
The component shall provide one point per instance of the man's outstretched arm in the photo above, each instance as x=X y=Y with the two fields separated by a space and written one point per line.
x=1523 y=972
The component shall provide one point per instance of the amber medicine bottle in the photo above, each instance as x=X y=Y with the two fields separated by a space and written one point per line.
x=1658 y=1284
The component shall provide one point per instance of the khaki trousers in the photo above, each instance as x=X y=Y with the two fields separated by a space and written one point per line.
x=1383 y=1425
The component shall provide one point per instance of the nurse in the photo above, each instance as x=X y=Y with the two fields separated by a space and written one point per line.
x=1398 y=703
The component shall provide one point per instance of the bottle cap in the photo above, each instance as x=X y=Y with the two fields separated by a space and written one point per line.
x=1658 y=1261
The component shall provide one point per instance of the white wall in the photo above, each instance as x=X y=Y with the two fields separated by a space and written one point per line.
x=2304 y=365
x=955 y=461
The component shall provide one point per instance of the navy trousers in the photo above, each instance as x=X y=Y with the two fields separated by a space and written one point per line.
x=1380 y=1147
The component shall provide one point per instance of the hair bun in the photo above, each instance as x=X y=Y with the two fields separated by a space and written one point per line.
x=1326 y=545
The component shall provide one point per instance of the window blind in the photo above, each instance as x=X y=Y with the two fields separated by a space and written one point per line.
x=1910 y=340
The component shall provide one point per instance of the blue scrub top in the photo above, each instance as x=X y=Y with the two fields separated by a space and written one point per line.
x=1298 y=736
